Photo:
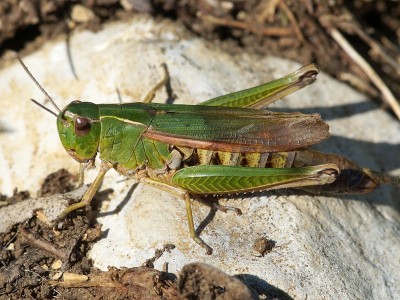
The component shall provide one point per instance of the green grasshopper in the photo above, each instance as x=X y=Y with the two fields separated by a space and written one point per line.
x=222 y=146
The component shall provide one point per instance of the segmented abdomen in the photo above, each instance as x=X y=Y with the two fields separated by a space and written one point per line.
x=193 y=157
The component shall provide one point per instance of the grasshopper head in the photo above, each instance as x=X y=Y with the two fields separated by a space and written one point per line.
x=78 y=126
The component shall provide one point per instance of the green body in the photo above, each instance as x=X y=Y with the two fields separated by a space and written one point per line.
x=225 y=145
x=231 y=149
x=130 y=137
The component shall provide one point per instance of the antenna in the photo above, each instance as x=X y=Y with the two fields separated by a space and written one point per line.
x=39 y=86
x=44 y=107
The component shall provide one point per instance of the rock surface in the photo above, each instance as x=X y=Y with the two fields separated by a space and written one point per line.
x=325 y=247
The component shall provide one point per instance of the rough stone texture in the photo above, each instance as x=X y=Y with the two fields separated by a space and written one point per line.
x=325 y=247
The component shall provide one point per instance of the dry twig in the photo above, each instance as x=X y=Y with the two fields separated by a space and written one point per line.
x=369 y=71
x=269 y=31
x=37 y=241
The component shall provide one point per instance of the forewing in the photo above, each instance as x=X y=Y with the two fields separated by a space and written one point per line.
x=234 y=129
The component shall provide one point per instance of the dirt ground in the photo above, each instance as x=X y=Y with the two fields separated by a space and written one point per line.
x=356 y=42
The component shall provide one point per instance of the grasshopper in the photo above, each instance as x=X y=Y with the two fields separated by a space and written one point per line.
x=225 y=145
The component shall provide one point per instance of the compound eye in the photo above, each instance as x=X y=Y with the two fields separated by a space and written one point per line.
x=82 y=126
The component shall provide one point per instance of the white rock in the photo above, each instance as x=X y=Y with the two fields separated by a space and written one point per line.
x=332 y=248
